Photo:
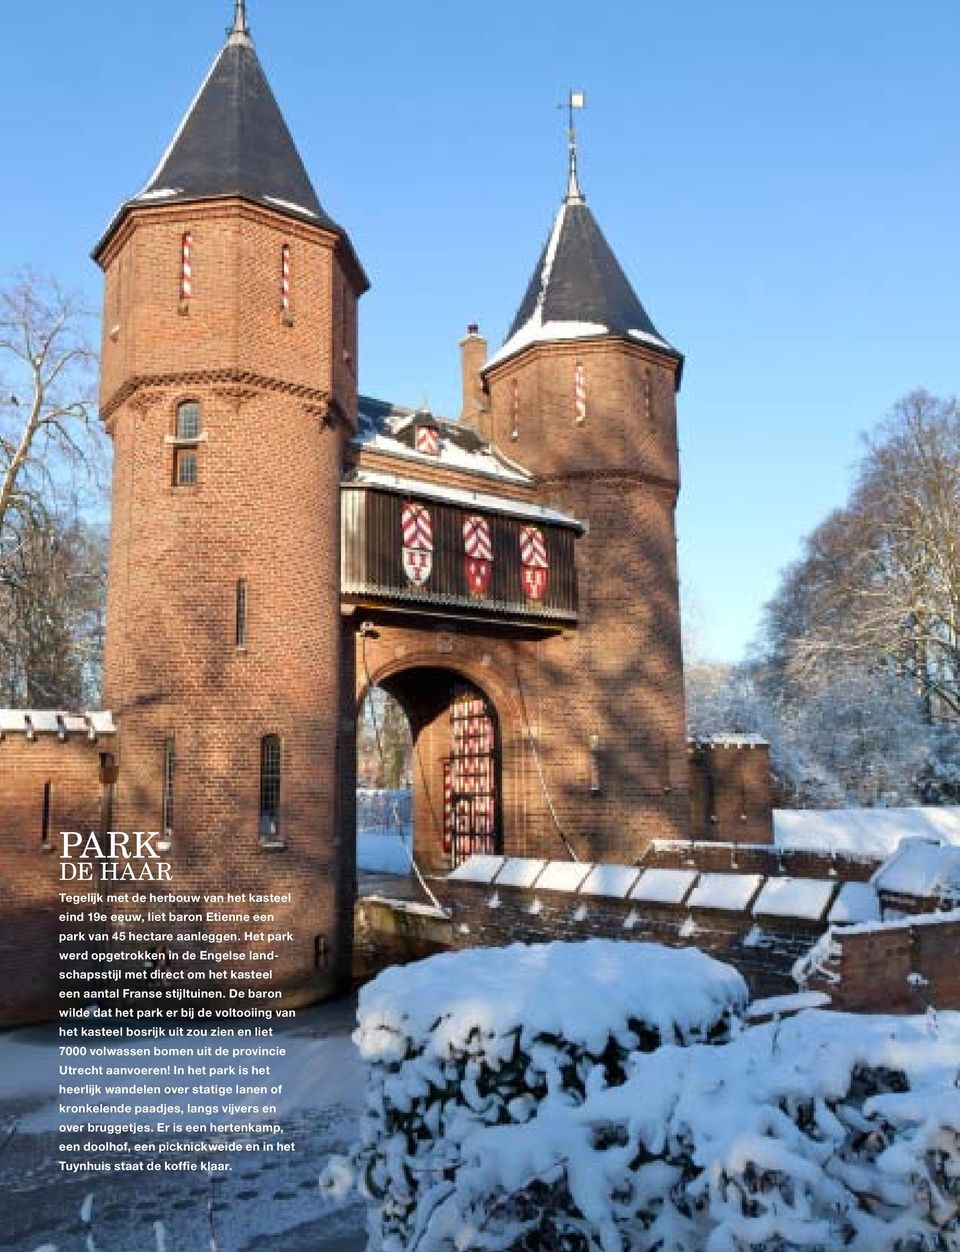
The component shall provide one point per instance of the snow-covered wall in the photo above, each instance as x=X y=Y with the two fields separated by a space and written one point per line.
x=871 y=832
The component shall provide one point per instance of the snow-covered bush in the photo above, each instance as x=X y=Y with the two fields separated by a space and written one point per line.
x=467 y=1041
x=826 y=1132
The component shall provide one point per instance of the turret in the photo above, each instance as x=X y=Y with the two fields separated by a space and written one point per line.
x=228 y=387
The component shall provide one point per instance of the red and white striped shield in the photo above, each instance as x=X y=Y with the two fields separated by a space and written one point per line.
x=417 y=543
x=478 y=547
x=428 y=440
x=534 y=565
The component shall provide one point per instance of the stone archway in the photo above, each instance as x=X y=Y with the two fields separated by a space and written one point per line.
x=457 y=768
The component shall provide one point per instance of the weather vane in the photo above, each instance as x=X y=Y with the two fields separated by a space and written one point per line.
x=575 y=100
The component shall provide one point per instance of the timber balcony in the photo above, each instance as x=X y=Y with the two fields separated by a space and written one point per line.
x=442 y=551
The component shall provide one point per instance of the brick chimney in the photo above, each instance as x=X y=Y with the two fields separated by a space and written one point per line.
x=473 y=353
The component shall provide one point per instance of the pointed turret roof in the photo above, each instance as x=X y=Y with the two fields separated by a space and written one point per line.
x=578 y=289
x=233 y=141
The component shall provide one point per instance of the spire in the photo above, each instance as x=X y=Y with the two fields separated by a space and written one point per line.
x=232 y=142
x=578 y=289
x=240 y=29
x=577 y=100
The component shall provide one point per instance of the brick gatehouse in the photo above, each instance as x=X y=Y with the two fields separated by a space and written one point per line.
x=280 y=543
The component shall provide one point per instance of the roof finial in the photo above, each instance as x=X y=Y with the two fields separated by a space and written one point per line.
x=240 y=27
x=574 y=195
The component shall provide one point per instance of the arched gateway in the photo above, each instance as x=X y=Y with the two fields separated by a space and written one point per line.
x=457 y=762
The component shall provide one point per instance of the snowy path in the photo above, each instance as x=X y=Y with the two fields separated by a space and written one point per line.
x=266 y=1204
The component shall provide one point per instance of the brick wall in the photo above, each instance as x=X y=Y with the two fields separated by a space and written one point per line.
x=758 y=859
x=730 y=791
x=30 y=884
x=764 y=952
x=901 y=967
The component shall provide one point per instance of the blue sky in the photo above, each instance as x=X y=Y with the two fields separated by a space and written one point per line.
x=779 y=178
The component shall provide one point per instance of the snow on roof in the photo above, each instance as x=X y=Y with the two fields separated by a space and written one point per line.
x=663 y=886
x=56 y=722
x=936 y=918
x=478 y=869
x=563 y=876
x=582 y=992
x=803 y=898
x=869 y=832
x=856 y=902
x=613 y=881
x=381 y=424
x=519 y=871
x=730 y=741
x=459 y=495
x=730 y=892
x=921 y=868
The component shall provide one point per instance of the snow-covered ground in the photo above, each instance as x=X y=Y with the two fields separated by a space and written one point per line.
x=871 y=832
x=266 y=1203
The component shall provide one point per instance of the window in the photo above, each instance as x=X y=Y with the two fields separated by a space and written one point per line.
x=270 y=789
x=188 y=420
x=166 y=804
x=241 y=620
x=185 y=467
x=186 y=438
x=45 y=819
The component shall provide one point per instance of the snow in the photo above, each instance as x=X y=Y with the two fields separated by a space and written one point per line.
x=731 y=893
x=378 y=434
x=869 y=832
x=663 y=886
x=791 y=1136
x=518 y=1099
x=781 y=1006
x=614 y=881
x=383 y=854
x=55 y=722
x=563 y=876
x=583 y=992
x=805 y=898
x=159 y=193
x=287 y=204
x=536 y=331
x=856 y=902
x=648 y=338
x=459 y=495
x=920 y=868
x=478 y=869
x=519 y=871
x=730 y=741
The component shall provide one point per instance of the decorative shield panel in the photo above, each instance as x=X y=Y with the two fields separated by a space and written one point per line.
x=428 y=440
x=417 y=543
x=478 y=547
x=534 y=565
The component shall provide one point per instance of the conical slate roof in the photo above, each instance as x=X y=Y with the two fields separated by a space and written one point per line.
x=233 y=141
x=578 y=289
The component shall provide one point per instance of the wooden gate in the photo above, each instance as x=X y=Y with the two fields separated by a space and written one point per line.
x=471 y=808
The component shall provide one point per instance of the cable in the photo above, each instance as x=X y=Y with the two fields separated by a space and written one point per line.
x=371 y=685
x=536 y=760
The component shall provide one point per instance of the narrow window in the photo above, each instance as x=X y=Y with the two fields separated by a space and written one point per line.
x=45 y=819
x=241 y=622
x=166 y=805
x=185 y=467
x=188 y=420
x=270 y=788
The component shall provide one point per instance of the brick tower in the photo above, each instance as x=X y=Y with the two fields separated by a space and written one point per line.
x=583 y=394
x=229 y=388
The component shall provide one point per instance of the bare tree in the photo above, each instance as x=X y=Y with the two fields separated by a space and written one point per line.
x=52 y=453
x=49 y=443
x=880 y=582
